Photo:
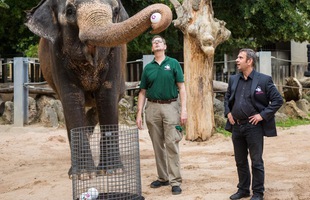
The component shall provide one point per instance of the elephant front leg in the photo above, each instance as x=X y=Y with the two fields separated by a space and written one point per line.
x=84 y=165
x=78 y=134
x=110 y=156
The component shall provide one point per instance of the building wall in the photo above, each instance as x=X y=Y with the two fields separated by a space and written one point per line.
x=299 y=53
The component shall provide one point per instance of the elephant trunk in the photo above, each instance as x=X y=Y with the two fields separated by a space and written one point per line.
x=98 y=29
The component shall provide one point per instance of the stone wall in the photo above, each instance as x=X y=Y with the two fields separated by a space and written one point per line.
x=48 y=111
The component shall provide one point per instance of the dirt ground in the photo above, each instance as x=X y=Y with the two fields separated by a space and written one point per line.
x=34 y=162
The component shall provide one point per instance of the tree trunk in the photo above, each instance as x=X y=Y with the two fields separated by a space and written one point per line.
x=198 y=79
x=202 y=33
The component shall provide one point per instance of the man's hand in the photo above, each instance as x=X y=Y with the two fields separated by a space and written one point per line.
x=231 y=119
x=254 y=119
x=139 y=121
x=183 y=118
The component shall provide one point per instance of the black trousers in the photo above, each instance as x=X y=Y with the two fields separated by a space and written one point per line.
x=249 y=139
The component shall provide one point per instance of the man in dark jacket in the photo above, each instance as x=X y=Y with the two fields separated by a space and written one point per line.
x=250 y=104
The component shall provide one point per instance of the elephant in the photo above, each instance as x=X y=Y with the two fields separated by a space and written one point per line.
x=82 y=53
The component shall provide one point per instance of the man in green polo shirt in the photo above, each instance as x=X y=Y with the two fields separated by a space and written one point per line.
x=161 y=84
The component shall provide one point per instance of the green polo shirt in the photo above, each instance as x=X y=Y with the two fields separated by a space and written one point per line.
x=160 y=81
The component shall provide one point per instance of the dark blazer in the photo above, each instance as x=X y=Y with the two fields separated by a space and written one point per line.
x=265 y=98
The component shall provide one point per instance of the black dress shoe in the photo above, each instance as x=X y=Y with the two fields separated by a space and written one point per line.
x=176 y=190
x=239 y=195
x=157 y=184
x=257 y=197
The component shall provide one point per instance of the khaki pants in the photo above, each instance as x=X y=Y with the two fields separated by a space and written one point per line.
x=161 y=120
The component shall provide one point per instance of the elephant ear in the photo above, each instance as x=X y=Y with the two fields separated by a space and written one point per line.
x=42 y=21
x=122 y=16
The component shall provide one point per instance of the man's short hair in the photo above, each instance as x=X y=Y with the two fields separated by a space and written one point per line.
x=158 y=36
x=250 y=54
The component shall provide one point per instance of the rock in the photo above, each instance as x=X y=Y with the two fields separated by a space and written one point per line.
x=32 y=110
x=8 y=114
x=50 y=111
x=49 y=117
x=126 y=114
x=218 y=107
x=219 y=121
x=290 y=109
x=59 y=110
x=280 y=117
x=42 y=101
x=305 y=82
x=303 y=105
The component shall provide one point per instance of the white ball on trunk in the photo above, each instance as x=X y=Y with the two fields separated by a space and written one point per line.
x=155 y=17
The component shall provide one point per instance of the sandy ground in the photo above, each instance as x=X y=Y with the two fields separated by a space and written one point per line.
x=34 y=163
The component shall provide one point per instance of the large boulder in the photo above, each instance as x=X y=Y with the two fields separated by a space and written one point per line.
x=50 y=111
x=303 y=105
x=291 y=109
x=32 y=110
x=126 y=113
x=219 y=118
x=8 y=114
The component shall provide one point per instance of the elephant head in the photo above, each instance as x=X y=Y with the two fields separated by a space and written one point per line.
x=100 y=22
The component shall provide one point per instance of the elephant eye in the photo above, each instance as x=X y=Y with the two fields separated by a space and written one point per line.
x=116 y=12
x=70 y=11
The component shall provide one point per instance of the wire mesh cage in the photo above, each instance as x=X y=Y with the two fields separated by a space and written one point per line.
x=105 y=163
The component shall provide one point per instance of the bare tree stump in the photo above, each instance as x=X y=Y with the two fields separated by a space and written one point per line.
x=202 y=34
x=292 y=89
x=219 y=86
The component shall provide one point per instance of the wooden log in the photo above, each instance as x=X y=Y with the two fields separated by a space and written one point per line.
x=219 y=86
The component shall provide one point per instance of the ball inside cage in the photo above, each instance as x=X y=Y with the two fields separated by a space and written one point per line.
x=105 y=163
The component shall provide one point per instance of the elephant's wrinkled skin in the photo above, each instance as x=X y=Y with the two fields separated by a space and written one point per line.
x=82 y=52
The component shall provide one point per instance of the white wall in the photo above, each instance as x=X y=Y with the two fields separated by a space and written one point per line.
x=299 y=53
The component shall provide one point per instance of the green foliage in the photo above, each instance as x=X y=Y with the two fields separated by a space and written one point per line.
x=142 y=44
x=293 y=122
x=223 y=132
x=32 y=51
x=256 y=23
x=3 y=4
x=253 y=23
x=284 y=124
x=15 y=37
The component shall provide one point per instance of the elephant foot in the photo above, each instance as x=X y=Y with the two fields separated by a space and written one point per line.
x=70 y=173
x=110 y=172
x=107 y=165
x=85 y=176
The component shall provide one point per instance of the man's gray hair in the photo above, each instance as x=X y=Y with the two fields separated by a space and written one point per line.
x=250 y=54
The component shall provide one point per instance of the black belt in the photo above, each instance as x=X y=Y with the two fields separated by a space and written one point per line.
x=162 y=101
x=242 y=121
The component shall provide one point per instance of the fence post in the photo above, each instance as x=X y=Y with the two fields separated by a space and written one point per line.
x=147 y=59
x=265 y=62
x=20 y=91
x=307 y=73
